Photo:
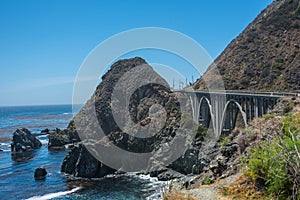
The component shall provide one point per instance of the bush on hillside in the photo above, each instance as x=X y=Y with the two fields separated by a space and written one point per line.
x=275 y=165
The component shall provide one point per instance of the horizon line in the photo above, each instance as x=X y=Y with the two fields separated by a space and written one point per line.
x=46 y=104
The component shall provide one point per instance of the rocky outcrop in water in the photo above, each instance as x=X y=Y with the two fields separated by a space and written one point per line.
x=23 y=141
x=59 y=138
x=40 y=173
x=80 y=163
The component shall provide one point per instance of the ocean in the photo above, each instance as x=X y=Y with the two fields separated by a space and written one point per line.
x=16 y=175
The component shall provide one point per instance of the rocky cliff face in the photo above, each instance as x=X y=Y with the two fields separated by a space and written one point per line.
x=266 y=55
x=109 y=109
x=198 y=156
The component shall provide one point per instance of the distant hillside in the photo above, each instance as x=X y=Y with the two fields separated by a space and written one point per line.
x=266 y=55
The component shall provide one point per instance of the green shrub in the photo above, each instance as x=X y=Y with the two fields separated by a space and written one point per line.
x=224 y=141
x=201 y=133
x=288 y=107
x=268 y=169
x=268 y=116
x=276 y=164
x=207 y=181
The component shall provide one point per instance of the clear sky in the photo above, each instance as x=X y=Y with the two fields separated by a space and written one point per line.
x=44 y=42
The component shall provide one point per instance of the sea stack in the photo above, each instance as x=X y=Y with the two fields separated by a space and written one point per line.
x=79 y=161
x=23 y=141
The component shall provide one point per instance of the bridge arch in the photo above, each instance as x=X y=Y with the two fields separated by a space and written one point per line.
x=205 y=99
x=225 y=110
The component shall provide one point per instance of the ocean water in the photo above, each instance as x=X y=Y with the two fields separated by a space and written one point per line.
x=35 y=118
x=16 y=170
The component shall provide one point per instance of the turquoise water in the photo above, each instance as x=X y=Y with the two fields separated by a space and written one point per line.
x=16 y=172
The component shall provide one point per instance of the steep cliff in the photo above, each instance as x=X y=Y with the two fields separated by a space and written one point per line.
x=106 y=113
x=266 y=55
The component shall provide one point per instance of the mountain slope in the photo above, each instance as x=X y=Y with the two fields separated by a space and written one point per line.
x=266 y=55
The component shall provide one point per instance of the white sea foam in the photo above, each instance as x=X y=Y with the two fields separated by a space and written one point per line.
x=5 y=146
x=54 y=195
x=43 y=139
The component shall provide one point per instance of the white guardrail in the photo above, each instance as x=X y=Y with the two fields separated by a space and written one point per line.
x=243 y=92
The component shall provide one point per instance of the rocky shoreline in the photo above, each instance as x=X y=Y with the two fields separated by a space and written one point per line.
x=208 y=183
x=203 y=156
x=204 y=161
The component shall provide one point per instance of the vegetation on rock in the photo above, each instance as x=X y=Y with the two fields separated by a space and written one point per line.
x=273 y=160
x=275 y=164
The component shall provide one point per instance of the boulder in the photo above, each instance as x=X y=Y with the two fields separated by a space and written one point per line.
x=187 y=163
x=57 y=139
x=80 y=163
x=40 y=173
x=23 y=141
x=169 y=175
x=45 y=131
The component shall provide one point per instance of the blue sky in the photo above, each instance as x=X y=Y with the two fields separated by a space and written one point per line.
x=44 y=42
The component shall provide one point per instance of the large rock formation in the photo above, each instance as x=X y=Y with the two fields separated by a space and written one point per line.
x=265 y=56
x=23 y=141
x=104 y=105
x=196 y=155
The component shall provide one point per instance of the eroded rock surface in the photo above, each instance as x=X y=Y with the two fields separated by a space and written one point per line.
x=23 y=141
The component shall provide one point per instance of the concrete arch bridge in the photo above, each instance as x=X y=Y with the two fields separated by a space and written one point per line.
x=220 y=109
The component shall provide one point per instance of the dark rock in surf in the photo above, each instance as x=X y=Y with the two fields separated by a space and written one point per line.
x=59 y=138
x=80 y=163
x=40 y=173
x=45 y=131
x=23 y=141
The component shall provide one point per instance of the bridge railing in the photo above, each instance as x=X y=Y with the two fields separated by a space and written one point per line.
x=246 y=92
x=269 y=93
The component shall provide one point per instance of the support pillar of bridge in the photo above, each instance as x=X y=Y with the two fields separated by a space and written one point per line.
x=260 y=105
x=255 y=107
x=268 y=108
x=195 y=107
x=235 y=115
x=264 y=106
x=247 y=110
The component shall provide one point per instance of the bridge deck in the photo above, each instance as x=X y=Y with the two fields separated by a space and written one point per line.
x=244 y=93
